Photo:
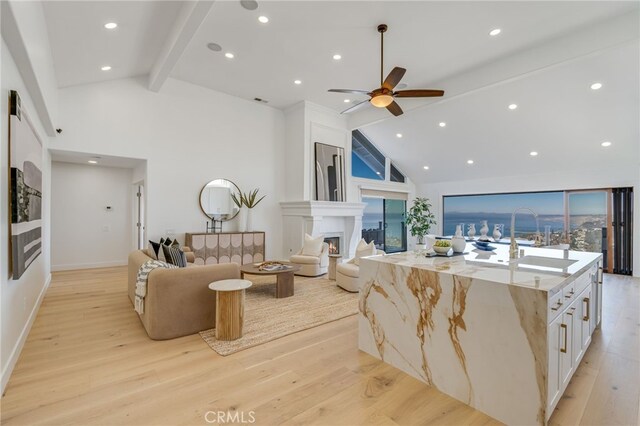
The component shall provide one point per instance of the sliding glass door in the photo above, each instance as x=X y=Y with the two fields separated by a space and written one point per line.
x=383 y=223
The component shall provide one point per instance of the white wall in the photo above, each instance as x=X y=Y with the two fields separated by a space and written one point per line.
x=189 y=135
x=84 y=234
x=587 y=179
x=19 y=299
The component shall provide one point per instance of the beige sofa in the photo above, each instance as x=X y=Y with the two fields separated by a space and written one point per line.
x=347 y=274
x=178 y=301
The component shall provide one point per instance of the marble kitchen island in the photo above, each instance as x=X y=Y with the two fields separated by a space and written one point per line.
x=501 y=336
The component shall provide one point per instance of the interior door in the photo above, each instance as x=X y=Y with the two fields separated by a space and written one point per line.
x=395 y=230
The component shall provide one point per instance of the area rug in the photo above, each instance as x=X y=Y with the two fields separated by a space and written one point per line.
x=316 y=301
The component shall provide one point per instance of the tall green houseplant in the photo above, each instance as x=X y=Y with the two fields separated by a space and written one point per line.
x=420 y=219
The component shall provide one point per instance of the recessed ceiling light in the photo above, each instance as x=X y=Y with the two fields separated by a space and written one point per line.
x=297 y=82
x=513 y=106
x=346 y=101
x=214 y=47
x=596 y=86
x=533 y=153
x=398 y=135
x=442 y=124
x=229 y=55
x=426 y=167
x=377 y=173
x=263 y=19
x=606 y=144
x=92 y=162
x=337 y=57
x=111 y=25
x=106 y=68
x=495 y=32
x=469 y=161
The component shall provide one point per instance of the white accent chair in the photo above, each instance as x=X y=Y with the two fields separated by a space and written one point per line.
x=312 y=266
x=347 y=274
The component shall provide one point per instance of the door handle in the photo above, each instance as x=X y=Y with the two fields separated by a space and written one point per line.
x=600 y=275
x=564 y=350
x=586 y=317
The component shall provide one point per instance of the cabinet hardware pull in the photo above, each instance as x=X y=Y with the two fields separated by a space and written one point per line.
x=564 y=350
x=600 y=275
x=586 y=317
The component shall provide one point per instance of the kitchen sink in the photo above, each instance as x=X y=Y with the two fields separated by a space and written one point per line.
x=545 y=262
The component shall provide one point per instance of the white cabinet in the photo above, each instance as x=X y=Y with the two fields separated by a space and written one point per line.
x=566 y=350
x=554 y=345
x=587 y=320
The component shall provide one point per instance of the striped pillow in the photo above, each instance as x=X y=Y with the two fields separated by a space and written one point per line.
x=175 y=256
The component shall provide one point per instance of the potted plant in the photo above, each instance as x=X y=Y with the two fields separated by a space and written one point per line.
x=250 y=200
x=420 y=219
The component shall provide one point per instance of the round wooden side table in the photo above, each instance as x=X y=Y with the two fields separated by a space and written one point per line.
x=229 y=307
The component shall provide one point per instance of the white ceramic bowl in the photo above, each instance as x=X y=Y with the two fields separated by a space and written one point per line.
x=441 y=250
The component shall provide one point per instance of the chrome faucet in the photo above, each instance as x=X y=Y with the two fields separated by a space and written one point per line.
x=513 y=247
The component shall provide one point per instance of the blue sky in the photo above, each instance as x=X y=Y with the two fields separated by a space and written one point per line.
x=551 y=203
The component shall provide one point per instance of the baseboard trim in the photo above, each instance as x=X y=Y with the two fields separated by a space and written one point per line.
x=17 y=349
x=73 y=266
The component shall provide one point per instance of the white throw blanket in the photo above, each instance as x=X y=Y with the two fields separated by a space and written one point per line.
x=141 y=281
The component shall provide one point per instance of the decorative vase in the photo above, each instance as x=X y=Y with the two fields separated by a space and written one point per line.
x=249 y=223
x=484 y=230
x=472 y=230
x=242 y=219
x=497 y=231
x=458 y=242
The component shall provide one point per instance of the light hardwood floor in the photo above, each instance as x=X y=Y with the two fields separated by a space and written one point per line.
x=88 y=361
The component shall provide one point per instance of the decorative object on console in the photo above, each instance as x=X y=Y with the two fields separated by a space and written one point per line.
x=250 y=200
x=498 y=229
x=420 y=219
x=457 y=241
x=25 y=189
x=329 y=172
x=216 y=202
x=227 y=247
x=472 y=231
x=484 y=230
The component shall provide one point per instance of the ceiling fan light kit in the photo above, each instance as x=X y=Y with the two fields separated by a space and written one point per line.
x=384 y=96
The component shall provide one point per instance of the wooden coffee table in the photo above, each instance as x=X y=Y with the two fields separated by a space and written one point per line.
x=284 y=278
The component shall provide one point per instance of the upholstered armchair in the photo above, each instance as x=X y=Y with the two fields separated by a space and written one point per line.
x=312 y=266
x=347 y=274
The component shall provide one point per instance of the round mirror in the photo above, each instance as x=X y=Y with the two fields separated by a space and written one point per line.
x=216 y=201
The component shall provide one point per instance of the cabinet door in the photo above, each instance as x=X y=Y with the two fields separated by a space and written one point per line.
x=554 y=333
x=575 y=311
x=566 y=357
x=587 y=319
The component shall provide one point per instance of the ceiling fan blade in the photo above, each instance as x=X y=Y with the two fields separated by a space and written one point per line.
x=394 y=109
x=393 y=78
x=363 y=92
x=418 y=93
x=355 y=107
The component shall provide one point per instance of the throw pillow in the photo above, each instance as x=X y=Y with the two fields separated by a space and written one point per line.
x=364 y=250
x=168 y=242
x=175 y=256
x=152 y=250
x=175 y=243
x=312 y=246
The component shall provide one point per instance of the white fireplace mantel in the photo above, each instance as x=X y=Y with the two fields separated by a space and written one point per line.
x=321 y=218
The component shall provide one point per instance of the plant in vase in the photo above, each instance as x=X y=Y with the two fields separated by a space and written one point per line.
x=419 y=220
x=242 y=213
x=250 y=200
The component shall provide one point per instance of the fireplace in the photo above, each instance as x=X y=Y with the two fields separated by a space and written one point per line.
x=334 y=244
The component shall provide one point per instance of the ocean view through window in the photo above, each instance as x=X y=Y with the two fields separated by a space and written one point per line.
x=564 y=217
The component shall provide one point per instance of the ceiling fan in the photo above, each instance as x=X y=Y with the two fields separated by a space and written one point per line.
x=383 y=97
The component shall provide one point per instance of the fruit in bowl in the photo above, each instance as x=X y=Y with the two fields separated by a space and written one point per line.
x=442 y=246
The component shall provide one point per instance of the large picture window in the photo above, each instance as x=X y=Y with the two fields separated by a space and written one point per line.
x=581 y=220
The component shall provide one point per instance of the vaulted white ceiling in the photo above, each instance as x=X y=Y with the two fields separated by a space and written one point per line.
x=533 y=62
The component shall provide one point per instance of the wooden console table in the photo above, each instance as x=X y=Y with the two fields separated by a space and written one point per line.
x=227 y=247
